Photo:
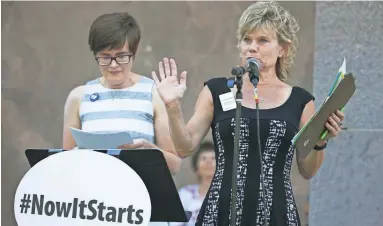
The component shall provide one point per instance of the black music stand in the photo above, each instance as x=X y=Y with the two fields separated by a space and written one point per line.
x=150 y=165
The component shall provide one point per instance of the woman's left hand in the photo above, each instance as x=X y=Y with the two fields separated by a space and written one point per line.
x=138 y=144
x=333 y=124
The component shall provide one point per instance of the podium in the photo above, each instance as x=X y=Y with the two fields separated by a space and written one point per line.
x=151 y=166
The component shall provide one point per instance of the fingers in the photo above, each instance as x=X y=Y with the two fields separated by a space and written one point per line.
x=340 y=115
x=183 y=78
x=335 y=118
x=148 y=144
x=161 y=70
x=167 y=67
x=173 y=66
x=331 y=129
x=155 y=79
x=333 y=124
x=129 y=146
x=137 y=143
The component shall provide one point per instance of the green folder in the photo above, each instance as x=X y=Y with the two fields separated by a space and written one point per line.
x=341 y=91
x=340 y=76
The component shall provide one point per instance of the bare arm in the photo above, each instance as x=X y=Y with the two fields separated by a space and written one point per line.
x=163 y=138
x=171 y=90
x=309 y=166
x=187 y=137
x=71 y=116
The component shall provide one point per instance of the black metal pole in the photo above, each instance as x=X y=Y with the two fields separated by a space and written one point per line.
x=238 y=100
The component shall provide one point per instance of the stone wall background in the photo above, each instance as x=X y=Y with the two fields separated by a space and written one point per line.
x=348 y=188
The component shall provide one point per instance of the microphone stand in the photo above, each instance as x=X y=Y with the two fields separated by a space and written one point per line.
x=253 y=75
x=238 y=99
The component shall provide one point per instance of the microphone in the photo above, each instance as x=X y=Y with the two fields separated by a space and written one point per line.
x=238 y=71
x=253 y=66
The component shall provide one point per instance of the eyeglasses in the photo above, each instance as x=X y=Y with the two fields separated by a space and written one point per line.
x=107 y=60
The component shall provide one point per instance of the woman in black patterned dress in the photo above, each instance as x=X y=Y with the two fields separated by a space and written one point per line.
x=266 y=32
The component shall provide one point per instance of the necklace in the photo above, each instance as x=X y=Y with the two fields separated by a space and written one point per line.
x=271 y=86
x=261 y=100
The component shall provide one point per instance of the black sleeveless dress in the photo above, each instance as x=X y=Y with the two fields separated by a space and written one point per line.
x=277 y=127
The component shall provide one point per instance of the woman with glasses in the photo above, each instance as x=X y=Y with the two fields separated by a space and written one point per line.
x=119 y=100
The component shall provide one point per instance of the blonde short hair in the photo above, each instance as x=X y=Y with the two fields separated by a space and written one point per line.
x=272 y=15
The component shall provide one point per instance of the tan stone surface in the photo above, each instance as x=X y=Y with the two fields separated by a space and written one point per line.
x=45 y=55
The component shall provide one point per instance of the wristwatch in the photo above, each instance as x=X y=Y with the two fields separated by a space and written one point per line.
x=320 y=148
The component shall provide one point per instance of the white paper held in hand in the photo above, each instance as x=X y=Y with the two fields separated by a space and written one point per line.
x=110 y=140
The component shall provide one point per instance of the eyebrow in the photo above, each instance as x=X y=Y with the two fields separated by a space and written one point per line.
x=119 y=53
x=263 y=36
x=257 y=37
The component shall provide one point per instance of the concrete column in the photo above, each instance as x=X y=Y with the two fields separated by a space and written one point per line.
x=348 y=189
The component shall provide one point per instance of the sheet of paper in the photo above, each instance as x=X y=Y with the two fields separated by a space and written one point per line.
x=88 y=140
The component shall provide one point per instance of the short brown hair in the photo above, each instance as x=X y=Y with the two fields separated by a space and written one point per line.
x=112 y=31
x=204 y=147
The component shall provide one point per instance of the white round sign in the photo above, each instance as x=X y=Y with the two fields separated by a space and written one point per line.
x=81 y=188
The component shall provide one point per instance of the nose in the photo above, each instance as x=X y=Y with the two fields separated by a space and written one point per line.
x=254 y=47
x=113 y=63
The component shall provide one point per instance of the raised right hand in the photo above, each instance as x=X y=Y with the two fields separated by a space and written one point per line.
x=170 y=88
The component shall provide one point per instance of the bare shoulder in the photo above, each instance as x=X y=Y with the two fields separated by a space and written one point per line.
x=74 y=97
x=205 y=96
x=76 y=93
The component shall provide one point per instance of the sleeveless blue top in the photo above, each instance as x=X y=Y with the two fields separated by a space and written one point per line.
x=111 y=110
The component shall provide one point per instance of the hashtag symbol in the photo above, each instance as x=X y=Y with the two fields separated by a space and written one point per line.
x=25 y=203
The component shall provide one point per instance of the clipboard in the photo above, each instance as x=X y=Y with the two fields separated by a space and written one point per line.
x=311 y=133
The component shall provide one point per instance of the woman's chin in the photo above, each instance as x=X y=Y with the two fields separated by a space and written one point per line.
x=111 y=77
x=115 y=75
x=115 y=81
